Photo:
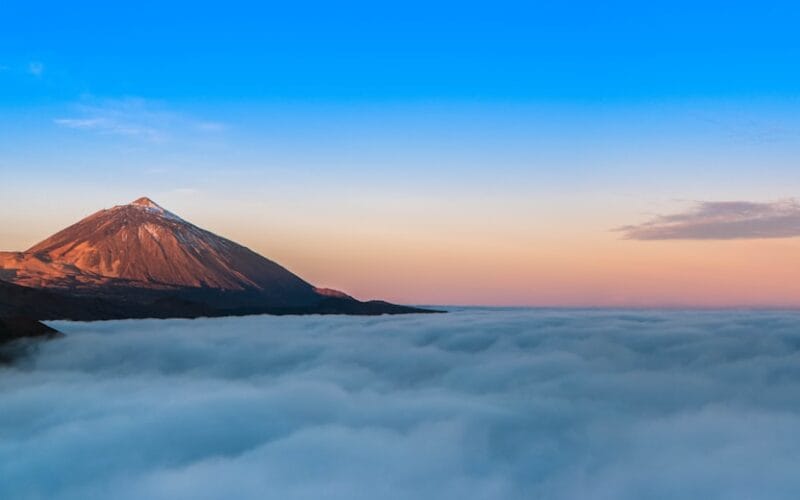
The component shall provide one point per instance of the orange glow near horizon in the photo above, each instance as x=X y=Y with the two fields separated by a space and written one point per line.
x=604 y=271
x=488 y=256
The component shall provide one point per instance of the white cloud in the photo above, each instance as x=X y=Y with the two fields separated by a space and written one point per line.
x=474 y=404
x=35 y=68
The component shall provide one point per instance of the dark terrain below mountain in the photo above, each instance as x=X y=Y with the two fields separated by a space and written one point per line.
x=15 y=334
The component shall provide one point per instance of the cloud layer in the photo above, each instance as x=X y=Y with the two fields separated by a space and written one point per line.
x=722 y=220
x=475 y=404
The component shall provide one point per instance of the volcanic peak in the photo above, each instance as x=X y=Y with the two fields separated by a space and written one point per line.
x=144 y=201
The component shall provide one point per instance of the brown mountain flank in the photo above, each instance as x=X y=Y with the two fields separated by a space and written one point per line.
x=140 y=260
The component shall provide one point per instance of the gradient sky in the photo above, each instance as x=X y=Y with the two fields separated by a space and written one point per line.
x=449 y=152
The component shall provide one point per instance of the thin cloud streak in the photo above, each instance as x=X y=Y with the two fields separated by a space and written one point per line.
x=722 y=220
x=135 y=118
x=35 y=68
x=111 y=126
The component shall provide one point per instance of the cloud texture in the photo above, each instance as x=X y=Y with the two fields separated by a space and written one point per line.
x=475 y=404
x=722 y=220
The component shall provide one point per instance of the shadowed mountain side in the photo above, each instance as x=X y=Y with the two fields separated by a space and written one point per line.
x=21 y=301
x=17 y=333
x=17 y=328
x=18 y=301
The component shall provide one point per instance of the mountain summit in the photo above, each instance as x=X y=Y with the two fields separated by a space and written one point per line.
x=144 y=201
x=144 y=254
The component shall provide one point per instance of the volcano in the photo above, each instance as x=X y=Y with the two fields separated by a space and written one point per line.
x=141 y=260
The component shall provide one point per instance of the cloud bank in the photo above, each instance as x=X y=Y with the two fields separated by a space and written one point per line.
x=722 y=220
x=475 y=404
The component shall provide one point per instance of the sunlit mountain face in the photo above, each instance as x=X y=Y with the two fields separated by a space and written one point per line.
x=142 y=260
x=142 y=244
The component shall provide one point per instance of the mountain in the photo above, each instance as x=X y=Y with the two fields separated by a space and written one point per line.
x=143 y=245
x=140 y=260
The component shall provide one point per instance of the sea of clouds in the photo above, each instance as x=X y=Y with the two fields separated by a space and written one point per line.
x=473 y=404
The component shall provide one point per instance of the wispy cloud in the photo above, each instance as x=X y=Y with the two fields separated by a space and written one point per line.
x=210 y=126
x=749 y=129
x=185 y=191
x=135 y=118
x=35 y=68
x=722 y=220
x=111 y=126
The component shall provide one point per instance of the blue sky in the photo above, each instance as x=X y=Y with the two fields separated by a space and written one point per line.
x=377 y=51
x=561 y=120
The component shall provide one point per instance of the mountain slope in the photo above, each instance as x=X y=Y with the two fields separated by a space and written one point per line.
x=141 y=259
x=147 y=246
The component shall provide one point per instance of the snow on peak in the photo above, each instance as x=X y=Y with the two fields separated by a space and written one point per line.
x=146 y=202
x=149 y=206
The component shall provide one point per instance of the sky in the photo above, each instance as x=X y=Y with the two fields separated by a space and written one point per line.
x=497 y=153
